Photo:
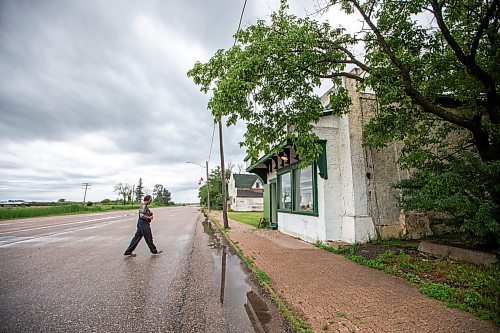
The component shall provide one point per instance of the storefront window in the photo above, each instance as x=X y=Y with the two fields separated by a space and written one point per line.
x=297 y=190
x=304 y=200
x=285 y=191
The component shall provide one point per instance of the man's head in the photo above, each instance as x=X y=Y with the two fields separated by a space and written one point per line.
x=147 y=199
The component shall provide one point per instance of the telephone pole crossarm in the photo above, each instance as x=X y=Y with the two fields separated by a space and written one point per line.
x=85 y=186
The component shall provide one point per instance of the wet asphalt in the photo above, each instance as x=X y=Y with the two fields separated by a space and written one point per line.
x=68 y=274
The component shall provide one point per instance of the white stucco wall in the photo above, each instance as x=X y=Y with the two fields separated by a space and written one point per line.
x=329 y=190
x=231 y=188
x=343 y=207
x=328 y=221
x=358 y=225
x=308 y=228
x=248 y=205
x=343 y=213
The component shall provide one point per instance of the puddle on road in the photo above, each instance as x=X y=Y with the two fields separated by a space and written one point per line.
x=246 y=311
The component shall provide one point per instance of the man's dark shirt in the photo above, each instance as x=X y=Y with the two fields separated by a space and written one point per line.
x=144 y=211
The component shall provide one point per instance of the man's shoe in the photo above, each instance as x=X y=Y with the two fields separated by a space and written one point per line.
x=130 y=254
x=157 y=252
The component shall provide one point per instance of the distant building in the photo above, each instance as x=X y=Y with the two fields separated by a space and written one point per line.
x=245 y=193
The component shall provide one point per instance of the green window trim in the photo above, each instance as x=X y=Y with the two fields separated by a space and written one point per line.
x=297 y=212
x=293 y=209
x=322 y=162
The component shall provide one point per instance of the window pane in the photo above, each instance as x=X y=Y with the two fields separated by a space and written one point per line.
x=304 y=199
x=286 y=191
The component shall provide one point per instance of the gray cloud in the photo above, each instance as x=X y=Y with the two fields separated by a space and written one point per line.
x=97 y=91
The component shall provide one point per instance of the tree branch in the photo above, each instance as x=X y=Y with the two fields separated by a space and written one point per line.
x=481 y=28
x=332 y=75
x=409 y=87
x=350 y=55
x=470 y=63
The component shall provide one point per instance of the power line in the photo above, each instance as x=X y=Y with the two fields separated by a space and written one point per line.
x=239 y=24
x=211 y=143
x=223 y=172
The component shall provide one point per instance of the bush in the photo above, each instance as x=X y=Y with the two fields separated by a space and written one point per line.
x=465 y=188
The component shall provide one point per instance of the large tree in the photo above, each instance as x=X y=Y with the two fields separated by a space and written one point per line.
x=215 y=180
x=139 y=191
x=125 y=190
x=432 y=63
x=162 y=196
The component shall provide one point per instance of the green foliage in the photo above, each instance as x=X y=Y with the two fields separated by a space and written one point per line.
x=261 y=276
x=124 y=190
x=264 y=81
x=377 y=264
x=215 y=180
x=463 y=187
x=469 y=287
x=442 y=292
x=162 y=196
x=321 y=245
x=139 y=191
x=436 y=80
x=475 y=289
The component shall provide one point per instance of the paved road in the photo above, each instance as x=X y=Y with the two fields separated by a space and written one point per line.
x=68 y=274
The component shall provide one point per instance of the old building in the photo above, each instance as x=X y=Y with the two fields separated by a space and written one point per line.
x=245 y=193
x=346 y=195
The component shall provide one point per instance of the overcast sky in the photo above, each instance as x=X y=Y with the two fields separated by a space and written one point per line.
x=96 y=91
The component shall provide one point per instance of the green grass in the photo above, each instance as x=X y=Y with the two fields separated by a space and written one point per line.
x=8 y=213
x=250 y=218
x=469 y=287
x=328 y=248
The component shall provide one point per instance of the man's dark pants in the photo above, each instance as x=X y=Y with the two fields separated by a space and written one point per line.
x=143 y=230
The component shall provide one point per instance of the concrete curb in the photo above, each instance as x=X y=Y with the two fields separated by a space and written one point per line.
x=457 y=253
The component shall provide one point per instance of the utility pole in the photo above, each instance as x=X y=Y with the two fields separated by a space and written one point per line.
x=223 y=175
x=85 y=186
x=208 y=189
x=208 y=183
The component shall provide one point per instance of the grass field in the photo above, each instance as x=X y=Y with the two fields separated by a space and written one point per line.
x=8 y=213
x=251 y=218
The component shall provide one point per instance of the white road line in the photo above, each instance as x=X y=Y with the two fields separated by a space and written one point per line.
x=56 y=217
x=32 y=239
x=62 y=224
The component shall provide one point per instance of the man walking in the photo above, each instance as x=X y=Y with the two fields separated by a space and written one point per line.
x=143 y=229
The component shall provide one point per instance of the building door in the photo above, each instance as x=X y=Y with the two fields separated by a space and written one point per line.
x=267 y=202
x=273 y=202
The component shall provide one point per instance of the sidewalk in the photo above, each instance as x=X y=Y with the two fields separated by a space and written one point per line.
x=337 y=295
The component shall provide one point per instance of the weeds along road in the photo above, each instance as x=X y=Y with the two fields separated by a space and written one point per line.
x=68 y=274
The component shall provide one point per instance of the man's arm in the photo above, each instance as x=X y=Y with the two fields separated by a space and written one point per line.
x=145 y=213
